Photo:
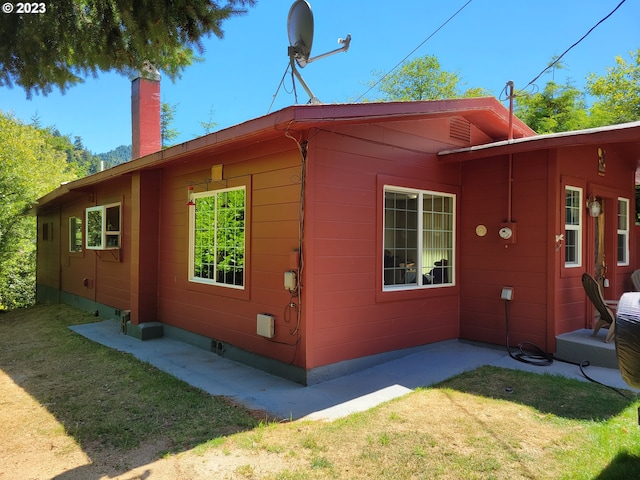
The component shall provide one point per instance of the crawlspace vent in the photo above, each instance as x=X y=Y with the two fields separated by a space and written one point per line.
x=460 y=129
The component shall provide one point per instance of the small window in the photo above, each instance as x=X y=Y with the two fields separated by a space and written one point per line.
x=573 y=227
x=217 y=237
x=419 y=239
x=103 y=227
x=75 y=234
x=45 y=231
x=623 y=231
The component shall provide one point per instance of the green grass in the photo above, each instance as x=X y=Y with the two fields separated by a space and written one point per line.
x=490 y=423
x=102 y=396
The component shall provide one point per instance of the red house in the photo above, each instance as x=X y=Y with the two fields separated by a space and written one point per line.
x=324 y=233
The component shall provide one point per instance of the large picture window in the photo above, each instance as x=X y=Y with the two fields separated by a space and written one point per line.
x=419 y=238
x=217 y=237
x=103 y=227
x=573 y=227
x=623 y=231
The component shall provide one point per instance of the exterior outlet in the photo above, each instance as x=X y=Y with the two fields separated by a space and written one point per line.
x=265 y=325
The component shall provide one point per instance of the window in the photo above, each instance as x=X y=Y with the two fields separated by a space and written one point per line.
x=217 y=237
x=103 y=227
x=573 y=227
x=75 y=234
x=419 y=238
x=623 y=231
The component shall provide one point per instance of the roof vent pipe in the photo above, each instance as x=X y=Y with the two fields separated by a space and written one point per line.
x=511 y=96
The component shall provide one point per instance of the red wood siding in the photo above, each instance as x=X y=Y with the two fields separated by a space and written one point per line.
x=143 y=227
x=580 y=164
x=272 y=175
x=77 y=267
x=113 y=280
x=348 y=315
x=100 y=276
x=549 y=298
x=488 y=264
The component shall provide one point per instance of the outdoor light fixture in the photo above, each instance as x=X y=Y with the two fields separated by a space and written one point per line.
x=594 y=207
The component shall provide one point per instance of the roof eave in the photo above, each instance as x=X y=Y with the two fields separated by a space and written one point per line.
x=626 y=132
x=486 y=112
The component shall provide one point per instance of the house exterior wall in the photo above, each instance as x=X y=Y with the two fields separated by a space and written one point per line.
x=112 y=278
x=101 y=276
x=271 y=174
x=315 y=194
x=488 y=263
x=347 y=313
x=579 y=167
x=548 y=296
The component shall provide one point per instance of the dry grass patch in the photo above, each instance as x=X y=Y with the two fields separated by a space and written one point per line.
x=72 y=409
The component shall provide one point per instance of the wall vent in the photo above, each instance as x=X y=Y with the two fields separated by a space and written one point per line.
x=217 y=347
x=460 y=129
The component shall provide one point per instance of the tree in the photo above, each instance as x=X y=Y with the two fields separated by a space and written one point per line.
x=209 y=125
x=617 y=93
x=558 y=108
x=69 y=39
x=30 y=166
x=167 y=114
x=422 y=79
x=116 y=156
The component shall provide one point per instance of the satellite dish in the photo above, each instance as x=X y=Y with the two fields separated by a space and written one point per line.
x=300 y=28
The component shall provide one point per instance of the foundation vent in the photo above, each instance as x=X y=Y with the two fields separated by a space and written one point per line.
x=460 y=129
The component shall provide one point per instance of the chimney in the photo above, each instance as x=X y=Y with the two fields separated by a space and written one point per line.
x=145 y=113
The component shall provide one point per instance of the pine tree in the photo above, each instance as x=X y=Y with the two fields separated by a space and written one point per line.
x=72 y=39
x=167 y=114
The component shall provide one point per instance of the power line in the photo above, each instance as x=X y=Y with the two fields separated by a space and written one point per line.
x=567 y=50
x=414 y=50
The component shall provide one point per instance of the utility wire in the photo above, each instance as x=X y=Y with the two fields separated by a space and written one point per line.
x=414 y=50
x=567 y=50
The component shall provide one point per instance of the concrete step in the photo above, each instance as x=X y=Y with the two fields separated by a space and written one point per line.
x=582 y=345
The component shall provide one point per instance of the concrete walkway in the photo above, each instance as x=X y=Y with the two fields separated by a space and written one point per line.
x=331 y=399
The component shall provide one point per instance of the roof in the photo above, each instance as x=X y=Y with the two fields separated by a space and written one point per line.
x=486 y=113
x=625 y=133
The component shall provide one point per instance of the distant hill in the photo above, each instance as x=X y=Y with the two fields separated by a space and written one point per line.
x=116 y=156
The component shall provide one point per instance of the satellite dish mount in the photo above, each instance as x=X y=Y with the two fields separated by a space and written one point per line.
x=300 y=29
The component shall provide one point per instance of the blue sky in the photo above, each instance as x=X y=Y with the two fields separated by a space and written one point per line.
x=488 y=43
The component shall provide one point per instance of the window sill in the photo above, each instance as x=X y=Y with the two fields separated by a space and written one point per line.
x=432 y=291
x=231 y=291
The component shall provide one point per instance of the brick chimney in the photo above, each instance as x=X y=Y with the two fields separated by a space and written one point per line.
x=145 y=113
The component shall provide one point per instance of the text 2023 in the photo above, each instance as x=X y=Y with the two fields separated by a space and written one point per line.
x=33 y=7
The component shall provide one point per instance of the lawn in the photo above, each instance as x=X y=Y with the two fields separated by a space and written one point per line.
x=87 y=411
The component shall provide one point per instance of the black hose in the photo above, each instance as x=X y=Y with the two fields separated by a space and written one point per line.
x=529 y=352
x=532 y=354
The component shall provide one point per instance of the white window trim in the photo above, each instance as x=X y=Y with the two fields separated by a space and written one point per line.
x=192 y=223
x=419 y=266
x=577 y=228
x=624 y=231
x=104 y=231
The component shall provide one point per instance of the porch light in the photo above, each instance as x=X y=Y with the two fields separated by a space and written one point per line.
x=594 y=207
